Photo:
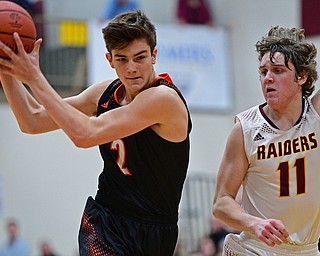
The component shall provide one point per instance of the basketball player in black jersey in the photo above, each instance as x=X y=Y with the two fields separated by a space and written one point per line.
x=141 y=123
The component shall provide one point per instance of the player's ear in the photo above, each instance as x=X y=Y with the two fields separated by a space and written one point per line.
x=302 y=78
x=154 y=56
x=109 y=58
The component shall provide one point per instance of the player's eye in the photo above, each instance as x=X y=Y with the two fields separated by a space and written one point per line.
x=121 y=59
x=262 y=72
x=140 y=57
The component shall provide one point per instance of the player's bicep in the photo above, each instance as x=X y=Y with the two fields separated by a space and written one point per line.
x=233 y=166
x=118 y=123
x=149 y=107
x=86 y=102
x=144 y=111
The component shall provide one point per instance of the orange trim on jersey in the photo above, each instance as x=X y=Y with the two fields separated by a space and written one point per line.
x=115 y=94
x=163 y=76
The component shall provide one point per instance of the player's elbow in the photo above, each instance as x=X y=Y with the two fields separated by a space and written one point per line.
x=214 y=209
x=28 y=129
x=24 y=129
x=217 y=208
x=34 y=123
x=81 y=141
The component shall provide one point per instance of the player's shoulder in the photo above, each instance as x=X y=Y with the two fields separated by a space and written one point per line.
x=99 y=87
x=250 y=111
x=159 y=93
x=93 y=92
x=102 y=84
x=250 y=115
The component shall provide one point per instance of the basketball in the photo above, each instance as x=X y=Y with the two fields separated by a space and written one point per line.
x=14 y=18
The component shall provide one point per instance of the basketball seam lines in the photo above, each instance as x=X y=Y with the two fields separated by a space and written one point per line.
x=10 y=34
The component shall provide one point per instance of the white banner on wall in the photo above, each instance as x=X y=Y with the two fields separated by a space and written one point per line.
x=196 y=57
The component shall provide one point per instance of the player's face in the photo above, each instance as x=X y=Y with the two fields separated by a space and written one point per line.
x=134 y=65
x=279 y=83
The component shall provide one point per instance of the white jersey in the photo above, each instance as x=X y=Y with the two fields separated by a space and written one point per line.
x=283 y=178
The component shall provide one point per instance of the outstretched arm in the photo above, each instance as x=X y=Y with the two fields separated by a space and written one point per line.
x=32 y=117
x=231 y=173
x=150 y=108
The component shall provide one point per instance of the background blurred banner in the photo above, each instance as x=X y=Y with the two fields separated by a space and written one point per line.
x=310 y=17
x=196 y=57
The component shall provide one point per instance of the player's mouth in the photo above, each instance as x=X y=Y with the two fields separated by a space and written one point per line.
x=270 y=90
x=134 y=78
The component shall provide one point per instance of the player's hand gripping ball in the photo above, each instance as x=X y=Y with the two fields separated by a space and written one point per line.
x=14 y=18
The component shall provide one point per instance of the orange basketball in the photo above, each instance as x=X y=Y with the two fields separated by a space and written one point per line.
x=14 y=18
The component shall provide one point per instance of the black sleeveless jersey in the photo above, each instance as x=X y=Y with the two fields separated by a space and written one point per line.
x=143 y=174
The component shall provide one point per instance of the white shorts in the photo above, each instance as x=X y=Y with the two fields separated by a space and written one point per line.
x=245 y=245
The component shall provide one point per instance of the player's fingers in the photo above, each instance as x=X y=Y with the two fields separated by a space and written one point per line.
x=276 y=235
x=37 y=45
x=282 y=235
x=284 y=232
x=274 y=239
x=18 y=43
x=7 y=50
x=273 y=235
x=279 y=230
x=267 y=240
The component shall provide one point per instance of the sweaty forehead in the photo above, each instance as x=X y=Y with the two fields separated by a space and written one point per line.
x=277 y=59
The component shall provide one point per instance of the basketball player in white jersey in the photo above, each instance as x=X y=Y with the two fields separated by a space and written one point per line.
x=273 y=152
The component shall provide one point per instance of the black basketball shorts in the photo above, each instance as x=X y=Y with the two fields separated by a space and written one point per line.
x=106 y=232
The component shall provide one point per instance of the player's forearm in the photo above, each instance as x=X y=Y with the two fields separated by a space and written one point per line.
x=227 y=210
x=72 y=121
x=25 y=108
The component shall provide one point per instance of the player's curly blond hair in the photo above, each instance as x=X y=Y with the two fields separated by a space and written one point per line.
x=291 y=43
